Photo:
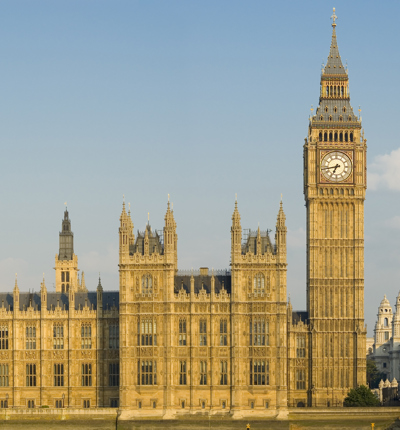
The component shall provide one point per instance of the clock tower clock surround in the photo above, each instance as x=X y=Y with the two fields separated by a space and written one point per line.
x=334 y=191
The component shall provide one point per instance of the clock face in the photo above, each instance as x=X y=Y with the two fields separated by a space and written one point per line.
x=336 y=166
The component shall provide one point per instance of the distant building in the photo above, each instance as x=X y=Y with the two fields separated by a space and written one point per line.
x=386 y=341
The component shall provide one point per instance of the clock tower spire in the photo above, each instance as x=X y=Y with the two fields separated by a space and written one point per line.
x=334 y=191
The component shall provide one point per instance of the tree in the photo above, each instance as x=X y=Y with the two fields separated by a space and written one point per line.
x=361 y=396
x=373 y=374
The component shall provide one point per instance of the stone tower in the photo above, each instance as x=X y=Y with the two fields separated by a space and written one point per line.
x=334 y=190
x=66 y=262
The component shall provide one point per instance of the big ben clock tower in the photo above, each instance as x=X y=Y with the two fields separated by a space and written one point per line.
x=334 y=190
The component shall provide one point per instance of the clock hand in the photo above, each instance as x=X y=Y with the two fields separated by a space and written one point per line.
x=337 y=165
x=332 y=167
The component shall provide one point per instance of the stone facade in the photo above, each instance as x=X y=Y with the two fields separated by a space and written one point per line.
x=385 y=349
x=212 y=342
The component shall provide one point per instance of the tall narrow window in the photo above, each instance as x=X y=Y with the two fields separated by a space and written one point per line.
x=113 y=336
x=31 y=375
x=113 y=374
x=147 y=372
x=300 y=379
x=59 y=375
x=182 y=373
x=58 y=336
x=182 y=332
x=3 y=375
x=65 y=281
x=259 y=332
x=147 y=284
x=31 y=337
x=223 y=380
x=203 y=332
x=86 y=375
x=223 y=332
x=148 y=332
x=4 y=337
x=86 y=336
x=259 y=284
x=300 y=346
x=203 y=372
x=259 y=372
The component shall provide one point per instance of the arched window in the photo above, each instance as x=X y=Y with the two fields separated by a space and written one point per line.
x=336 y=136
x=342 y=91
x=147 y=284
x=330 y=117
x=385 y=322
x=259 y=284
x=326 y=108
x=349 y=118
x=330 y=137
x=331 y=91
x=147 y=332
x=351 y=137
x=182 y=332
x=335 y=109
x=325 y=137
x=341 y=136
x=344 y=109
x=327 y=91
x=346 y=137
x=340 y=118
x=320 y=136
x=321 y=118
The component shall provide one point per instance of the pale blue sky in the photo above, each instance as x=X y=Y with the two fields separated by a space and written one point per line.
x=201 y=100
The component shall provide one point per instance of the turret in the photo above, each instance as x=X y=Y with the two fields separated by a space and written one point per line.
x=16 y=297
x=236 y=235
x=170 y=238
x=66 y=239
x=280 y=235
x=396 y=321
x=125 y=233
x=43 y=297
x=99 y=298
x=66 y=261
x=384 y=323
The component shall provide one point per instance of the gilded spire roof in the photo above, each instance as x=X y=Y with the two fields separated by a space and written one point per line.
x=334 y=64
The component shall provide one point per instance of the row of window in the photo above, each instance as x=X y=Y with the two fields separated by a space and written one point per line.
x=147 y=372
x=335 y=91
x=58 y=336
x=58 y=374
x=147 y=283
x=336 y=136
x=60 y=403
x=259 y=332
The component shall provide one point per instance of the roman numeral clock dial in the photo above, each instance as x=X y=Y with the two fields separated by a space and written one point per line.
x=336 y=166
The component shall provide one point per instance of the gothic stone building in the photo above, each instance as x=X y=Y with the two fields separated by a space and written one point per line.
x=171 y=342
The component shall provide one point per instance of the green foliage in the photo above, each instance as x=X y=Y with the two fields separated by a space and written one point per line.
x=373 y=374
x=361 y=396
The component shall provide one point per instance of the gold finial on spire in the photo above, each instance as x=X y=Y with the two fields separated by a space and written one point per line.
x=168 y=197
x=235 y=197
x=334 y=17
x=359 y=112
x=281 y=197
x=65 y=203
x=148 y=217
x=129 y=206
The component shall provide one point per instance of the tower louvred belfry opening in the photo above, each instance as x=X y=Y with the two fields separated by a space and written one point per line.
x=334 y=190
